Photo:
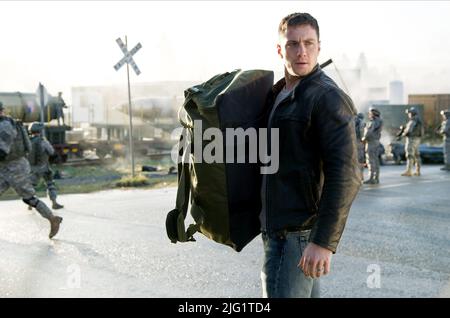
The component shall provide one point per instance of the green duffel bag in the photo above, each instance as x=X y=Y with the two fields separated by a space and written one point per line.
x=225 y=196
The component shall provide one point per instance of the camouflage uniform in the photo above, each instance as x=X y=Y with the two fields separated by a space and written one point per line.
x=372 y=135
x=15 y=169
x=15 y=174
x=444 y=130
x=359 y=127
x=413 y=133
x=41 y=150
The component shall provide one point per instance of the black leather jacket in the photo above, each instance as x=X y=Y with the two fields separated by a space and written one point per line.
x=318 y=176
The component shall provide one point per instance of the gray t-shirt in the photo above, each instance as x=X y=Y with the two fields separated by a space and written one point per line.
x=281 y=96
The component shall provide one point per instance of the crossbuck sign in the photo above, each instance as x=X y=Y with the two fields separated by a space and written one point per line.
x=128 y=58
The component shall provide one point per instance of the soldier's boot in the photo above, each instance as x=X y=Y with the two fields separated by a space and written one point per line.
x=377 y=176
x=56 y=205
x=55 y=221
x=407 y=172
x=417 y=173
x=371 y=180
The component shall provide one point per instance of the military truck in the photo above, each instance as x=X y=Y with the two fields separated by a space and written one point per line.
x=25 y=107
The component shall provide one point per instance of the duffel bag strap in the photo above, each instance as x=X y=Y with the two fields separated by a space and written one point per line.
x=175 y=227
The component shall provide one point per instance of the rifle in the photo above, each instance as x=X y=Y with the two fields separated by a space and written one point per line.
x=400 y=133
x=437 y=131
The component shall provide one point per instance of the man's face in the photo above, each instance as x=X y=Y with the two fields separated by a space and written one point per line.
x=299 y=49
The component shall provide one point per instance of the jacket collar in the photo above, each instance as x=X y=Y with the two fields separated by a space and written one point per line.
x=276 y=89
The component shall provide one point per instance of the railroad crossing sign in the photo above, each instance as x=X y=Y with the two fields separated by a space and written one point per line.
x=128 y=58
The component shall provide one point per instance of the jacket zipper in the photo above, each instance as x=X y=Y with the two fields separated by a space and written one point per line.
x=271 y=118
x=302 y=82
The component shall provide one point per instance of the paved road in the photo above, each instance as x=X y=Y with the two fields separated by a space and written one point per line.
x=113 y=244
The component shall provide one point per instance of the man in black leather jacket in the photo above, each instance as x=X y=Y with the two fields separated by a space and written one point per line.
x=307 y=201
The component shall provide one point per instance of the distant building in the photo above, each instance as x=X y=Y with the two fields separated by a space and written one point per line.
x=362 y=83
x=396 y=92
x=378 y=102
x=93 y=104
x=106 y=109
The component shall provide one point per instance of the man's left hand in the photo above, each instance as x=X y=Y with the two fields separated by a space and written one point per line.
x=315 y=261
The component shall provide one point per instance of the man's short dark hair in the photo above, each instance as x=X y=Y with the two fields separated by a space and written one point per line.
x=294 y=19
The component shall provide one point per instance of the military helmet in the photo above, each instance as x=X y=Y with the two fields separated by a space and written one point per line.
x=360 y=115
x=1 y=106
x=36 y=127
x=374 y=111
x=411 y=110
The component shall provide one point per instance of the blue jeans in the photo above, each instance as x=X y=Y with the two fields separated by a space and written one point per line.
x=280 y=275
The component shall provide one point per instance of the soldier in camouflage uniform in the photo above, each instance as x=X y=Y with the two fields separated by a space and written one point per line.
x=41 y=150
x=413 y=133
x=444 y=130
x=15 y=168
x=359 y=127
x=371 y=137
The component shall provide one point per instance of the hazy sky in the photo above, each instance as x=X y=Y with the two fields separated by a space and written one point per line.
x=65 y=44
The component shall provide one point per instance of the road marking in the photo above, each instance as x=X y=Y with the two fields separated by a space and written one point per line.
x=387 y=186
